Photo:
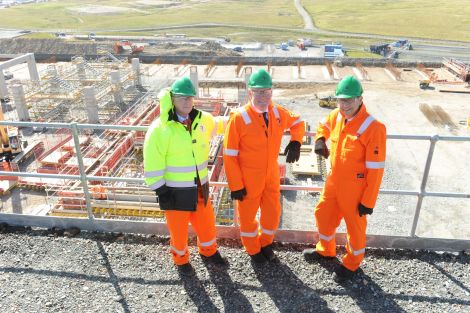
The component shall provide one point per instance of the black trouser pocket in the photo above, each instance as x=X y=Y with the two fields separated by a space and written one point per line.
x=166 y=200
x=183 y=199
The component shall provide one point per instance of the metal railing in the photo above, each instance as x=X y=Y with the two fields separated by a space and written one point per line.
x=84 y=178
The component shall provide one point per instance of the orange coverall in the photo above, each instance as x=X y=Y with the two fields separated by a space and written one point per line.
x=357 y=157
x=250 y=158
x=203 y=222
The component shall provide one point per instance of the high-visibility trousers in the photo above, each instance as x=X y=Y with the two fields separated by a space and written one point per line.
x=203 y=222
x=340 y=199
x=263 y=192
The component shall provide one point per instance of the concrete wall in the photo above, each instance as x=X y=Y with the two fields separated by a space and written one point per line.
x=202 y=60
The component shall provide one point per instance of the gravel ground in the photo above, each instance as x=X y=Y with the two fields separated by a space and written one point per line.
x=43 y=272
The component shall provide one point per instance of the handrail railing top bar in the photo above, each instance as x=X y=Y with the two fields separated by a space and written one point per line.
x=144 y=128
x=317 y=188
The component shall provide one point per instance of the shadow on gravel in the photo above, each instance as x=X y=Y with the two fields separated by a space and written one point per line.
x=113 y=278
x=195 y=290
x=234 y=300
x=287 y=291
x=368 y=296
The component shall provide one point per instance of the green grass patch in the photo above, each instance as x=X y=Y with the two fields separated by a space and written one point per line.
x=448 y=20
x=69 y=14
x=40 y=35
x=362 y=54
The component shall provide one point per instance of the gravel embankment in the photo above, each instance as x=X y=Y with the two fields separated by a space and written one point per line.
x=43 y=272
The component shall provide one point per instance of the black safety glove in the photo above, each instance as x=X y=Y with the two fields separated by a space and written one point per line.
x=321 y=148
x=363 y=210
x=238 y=195
x=292 y=151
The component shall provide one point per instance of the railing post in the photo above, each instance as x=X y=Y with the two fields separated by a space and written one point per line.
x=424 y=181
x=81 y=168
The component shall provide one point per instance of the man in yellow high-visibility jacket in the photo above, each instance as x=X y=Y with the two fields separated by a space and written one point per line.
x=176 y=152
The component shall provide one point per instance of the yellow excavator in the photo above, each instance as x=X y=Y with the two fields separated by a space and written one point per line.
x=424 y=84
x=327 y=102
x=11 y=141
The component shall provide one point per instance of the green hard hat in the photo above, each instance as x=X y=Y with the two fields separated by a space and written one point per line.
x=184 y=87
x=349 y=87
x=260 y=79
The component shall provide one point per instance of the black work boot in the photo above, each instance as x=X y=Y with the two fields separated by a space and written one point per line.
x=215 y=259
x=258 y=258
x=269 y=254
x=311 y=255
x=342 y=274
x=185 y=269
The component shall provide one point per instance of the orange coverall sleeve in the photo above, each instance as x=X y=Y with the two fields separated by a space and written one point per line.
x=375 y=164
x=294 y=123
x=324 y=127
x=231 y=153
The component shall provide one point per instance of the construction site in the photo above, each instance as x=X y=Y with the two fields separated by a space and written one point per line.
x=104 y=105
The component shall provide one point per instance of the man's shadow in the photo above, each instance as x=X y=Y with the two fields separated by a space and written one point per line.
x=233 y=299
x=367 y=294
x=196 y=291
x=287 y=291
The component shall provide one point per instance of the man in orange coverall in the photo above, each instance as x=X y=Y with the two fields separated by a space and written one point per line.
x=357 y=145
x=251 y=147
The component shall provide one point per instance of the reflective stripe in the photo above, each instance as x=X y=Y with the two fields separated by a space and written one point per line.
x=246 y=234
x=324 y=122
x=181 y=169
x=375 y=164
x=297 y=121
x=267 y=231
x=204 y=180
x=158 y=184
x=365 y=124
x=207 y=243
x=151 y=174
x=202 y=166
x=326 y=238
x=276 y=113
x=179 y=252
x=214 y=131
x=356 y=252
x=338 y=118
x=231 y=152
x=180 y=183
x=245 y=116
x=186 y=169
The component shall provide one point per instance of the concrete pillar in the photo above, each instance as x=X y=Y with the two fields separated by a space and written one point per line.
x=3 y=87
x=115 y=78
x=54 y=81
x=193 y=76
x=136 y=70
x=243 y=92
x=33 y=69
x=81 y=71
x=20 y=102
x=91 y=106
x=248 y=71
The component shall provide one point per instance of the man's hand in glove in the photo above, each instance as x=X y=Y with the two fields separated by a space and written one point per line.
x=363 y=210
x=321 y=148
x=238 y=195
x=292 y=151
